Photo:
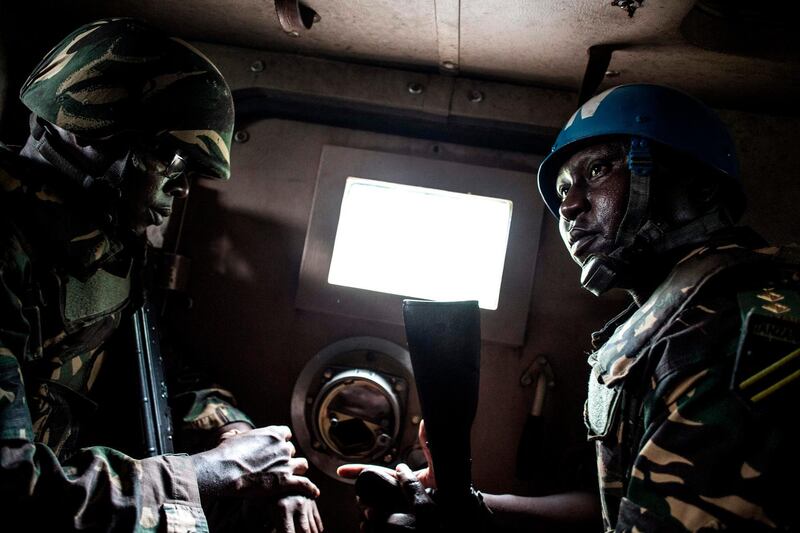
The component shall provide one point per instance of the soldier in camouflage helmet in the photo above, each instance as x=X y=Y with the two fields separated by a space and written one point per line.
x=693 y=388
x=122 y=117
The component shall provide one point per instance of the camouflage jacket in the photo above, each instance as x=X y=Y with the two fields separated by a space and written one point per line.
x=676 y=449
x=64 y=288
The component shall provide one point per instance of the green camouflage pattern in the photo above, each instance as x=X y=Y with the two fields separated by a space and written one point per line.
x=120 y=76
x=48 y=373
x=676 y=449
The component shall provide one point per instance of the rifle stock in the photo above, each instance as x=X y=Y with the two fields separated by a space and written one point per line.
x=444 y=345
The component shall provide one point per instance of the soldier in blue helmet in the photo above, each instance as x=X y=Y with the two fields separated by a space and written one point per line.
x=692 y=388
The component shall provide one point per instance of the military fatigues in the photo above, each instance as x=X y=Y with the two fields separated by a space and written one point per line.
x=64 y=289
x=676 y=449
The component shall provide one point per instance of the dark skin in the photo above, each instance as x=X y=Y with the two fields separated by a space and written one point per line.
x=149 y=193
x=594 y=184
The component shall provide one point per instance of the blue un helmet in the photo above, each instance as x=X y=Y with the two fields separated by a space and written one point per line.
x=649 y=116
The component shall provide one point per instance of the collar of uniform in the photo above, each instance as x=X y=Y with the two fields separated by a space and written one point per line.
x=57 y=222
x=602 y=335
x=627 y=345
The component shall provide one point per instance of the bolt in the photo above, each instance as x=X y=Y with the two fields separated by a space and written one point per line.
x=294 y=34
x=241 y=136
x=328 y=374
x=475 y=97
x=415 y=419
x=416 y=88
x=448 y=65
x=399 y=386
x=612 y=73
x=257 y=66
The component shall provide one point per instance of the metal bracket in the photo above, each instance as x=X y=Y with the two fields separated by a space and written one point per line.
x=295 y=17
x=596 y=69
x=540 y=372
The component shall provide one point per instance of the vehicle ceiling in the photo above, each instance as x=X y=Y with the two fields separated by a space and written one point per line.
x=731 y=53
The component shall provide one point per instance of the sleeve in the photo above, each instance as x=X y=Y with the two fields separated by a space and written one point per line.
x=98 y=488
x=706 y=463
x=201 y=413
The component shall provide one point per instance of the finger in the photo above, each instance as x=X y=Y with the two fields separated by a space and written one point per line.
x=404 y=474
x=298 y=465
x=298 y=485
x=412 y=487
x=425 y=476
x=317 y=518
x=286 y=522
x=301 y=517
x=282 y=432
x=423 y=442
x=429 y=477
x=351 y=471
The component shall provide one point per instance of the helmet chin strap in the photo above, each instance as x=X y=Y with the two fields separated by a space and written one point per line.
x=601 y=272
x=640 y=237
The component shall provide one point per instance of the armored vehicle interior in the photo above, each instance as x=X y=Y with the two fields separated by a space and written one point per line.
x=272 y=297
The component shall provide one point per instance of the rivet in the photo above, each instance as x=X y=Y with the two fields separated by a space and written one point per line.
x=400 y=386
x=241 y=136
x=475 y=97
x=612 y=73
x=416 y=88
x=328 y=374
x=448 y=65
x=415 y=419
x=257 y=66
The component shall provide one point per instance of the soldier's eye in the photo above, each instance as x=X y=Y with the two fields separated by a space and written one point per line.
x=562 y=190
x=598 y=169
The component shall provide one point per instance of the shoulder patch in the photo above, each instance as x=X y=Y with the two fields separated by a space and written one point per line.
x=767 y=369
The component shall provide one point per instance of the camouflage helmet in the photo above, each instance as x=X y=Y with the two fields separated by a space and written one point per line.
x=120 y=77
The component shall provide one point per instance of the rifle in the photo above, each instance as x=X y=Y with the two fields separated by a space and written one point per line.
x=444 y=342
x=155 y=414
x=169 y=275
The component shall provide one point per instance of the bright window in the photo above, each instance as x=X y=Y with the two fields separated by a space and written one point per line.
x=420 y=242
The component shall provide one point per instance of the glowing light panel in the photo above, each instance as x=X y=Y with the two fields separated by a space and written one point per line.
x=420 y=242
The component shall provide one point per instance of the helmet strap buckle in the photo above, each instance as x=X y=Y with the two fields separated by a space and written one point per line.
x=600 y=273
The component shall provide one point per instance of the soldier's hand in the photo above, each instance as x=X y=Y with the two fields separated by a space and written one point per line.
x=295 y=514
x=254 y=464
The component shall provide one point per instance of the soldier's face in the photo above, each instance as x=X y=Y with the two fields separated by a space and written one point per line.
x=593 y=185
x=150 y=190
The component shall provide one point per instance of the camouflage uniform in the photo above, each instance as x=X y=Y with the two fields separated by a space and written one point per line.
x=676 y=450
x=57 y=262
